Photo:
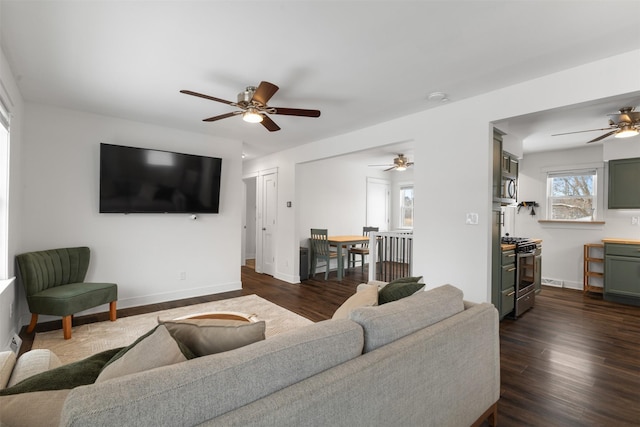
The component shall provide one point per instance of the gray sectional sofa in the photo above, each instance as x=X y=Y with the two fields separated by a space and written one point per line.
x=430 y=359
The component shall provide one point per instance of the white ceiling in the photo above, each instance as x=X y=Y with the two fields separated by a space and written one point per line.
x=359 y=62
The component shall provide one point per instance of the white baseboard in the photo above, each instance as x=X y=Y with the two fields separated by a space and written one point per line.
x=558 y=283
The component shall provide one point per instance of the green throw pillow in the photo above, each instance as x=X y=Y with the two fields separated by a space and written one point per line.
x=410 y=279
x=399 y=289
x=68 y=376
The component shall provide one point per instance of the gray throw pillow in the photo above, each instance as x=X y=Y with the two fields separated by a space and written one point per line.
x=152 y=350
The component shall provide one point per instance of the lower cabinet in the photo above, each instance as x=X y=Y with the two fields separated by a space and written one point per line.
x=622 y=273
x=508 y=283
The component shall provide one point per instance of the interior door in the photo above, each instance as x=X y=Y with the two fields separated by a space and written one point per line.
x=378 y=203
x=269 y=214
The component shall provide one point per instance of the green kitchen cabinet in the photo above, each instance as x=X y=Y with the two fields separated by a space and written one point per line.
x=622 y=273
x=508 y=282
x=624 y=184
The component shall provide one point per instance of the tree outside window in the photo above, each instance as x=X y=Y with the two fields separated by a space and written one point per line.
x=406 y=207
x=571 y=195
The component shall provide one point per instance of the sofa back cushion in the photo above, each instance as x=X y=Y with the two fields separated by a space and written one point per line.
x=386 y=323
x=212 y=385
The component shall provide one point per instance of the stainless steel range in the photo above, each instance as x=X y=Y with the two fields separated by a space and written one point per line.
x=525 y=273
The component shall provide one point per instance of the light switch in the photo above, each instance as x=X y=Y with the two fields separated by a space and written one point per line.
x=472 y=218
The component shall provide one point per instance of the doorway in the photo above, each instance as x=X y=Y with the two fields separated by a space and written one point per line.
x=378 y=202
x=249 y=223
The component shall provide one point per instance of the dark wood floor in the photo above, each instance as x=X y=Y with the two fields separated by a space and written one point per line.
x=572 y=360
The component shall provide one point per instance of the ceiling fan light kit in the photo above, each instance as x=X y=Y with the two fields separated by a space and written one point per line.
x=252 y=116
x=627 y=132
x=253 y=106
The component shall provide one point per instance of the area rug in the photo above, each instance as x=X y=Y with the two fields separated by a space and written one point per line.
x=96 y=337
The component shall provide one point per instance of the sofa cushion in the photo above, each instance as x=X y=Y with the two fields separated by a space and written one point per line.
x=68 y=376
x=41 y=408
x=366 y=297
x=210 y=336
x=7 y=362
x=389 y=322
x=152 y=350
x=218 y=383
x=32 y=363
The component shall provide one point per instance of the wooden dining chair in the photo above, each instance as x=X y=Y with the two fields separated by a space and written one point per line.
x=320 y=250
x=362 y=250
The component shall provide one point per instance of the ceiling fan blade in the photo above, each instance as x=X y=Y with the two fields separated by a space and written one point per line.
x=377 y=166
x=390 y=169
x=212 y=98
x=264 y=92
x=269 y=124
x=297 y=112
x=601 y=137
x=222 y=116
x=580 y=131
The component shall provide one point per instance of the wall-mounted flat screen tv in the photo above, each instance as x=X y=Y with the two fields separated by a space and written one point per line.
x=139 y=180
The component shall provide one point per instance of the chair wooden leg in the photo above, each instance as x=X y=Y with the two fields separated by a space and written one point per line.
x=66 y=327
x=112 y=311
x=32 y=325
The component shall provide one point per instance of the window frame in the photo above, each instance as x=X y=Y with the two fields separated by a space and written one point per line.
x=402 y=208
x=596 y=197
x=5 y=124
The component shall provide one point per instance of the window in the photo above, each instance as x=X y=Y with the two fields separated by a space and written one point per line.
x=406 y=206
x=4 y=190
x=571 y=195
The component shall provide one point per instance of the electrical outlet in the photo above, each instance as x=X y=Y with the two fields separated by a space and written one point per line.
x=635 y=220
x=16 y=343
x=183 y=275
x=472 y=218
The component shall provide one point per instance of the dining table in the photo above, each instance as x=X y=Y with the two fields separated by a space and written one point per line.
x=342 y=243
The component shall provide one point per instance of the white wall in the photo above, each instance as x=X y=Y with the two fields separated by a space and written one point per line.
x=452 y=168
x=332 y=194
x=143 y=253
x=562 y=247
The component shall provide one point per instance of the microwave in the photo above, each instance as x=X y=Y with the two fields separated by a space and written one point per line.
x=509 y=190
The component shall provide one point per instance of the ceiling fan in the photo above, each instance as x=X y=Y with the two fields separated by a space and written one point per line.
x=624 y=124
x=253 y=106
x=400 y=163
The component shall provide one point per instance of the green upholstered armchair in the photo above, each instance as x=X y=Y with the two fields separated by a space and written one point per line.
x=54 y=284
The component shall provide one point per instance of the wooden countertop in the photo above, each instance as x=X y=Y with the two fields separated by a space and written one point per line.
x=622 y=241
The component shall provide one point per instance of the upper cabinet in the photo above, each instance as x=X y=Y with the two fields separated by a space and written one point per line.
x=509 y=165
x=624 y=191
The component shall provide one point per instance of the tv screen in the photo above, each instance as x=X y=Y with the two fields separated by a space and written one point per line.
x=139 y=180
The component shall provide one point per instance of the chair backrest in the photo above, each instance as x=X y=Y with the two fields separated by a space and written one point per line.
x=366 y=231
x=319 y=241
x=47 y=269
